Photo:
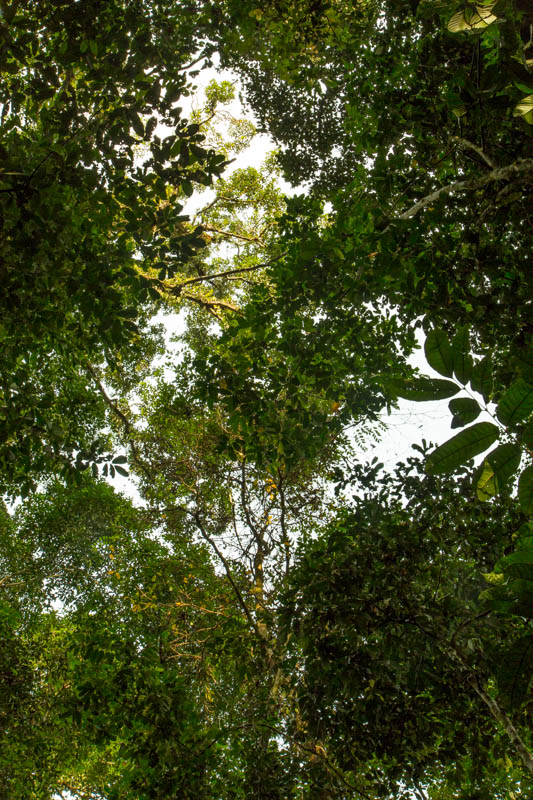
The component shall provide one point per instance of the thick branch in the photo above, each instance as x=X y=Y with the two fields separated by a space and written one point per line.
x=498 y=713
x=471 y=185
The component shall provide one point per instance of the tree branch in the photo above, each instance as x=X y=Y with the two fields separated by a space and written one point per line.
x=471 y=146
x=470 y=185
x=225 y=274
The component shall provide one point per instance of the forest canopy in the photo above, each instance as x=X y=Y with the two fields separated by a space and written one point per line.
x=274 y=614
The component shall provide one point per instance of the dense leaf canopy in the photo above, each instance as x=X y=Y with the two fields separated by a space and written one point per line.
x=271 y=613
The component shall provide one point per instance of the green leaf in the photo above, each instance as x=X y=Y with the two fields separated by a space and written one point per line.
x=516 y=670
x=424 y=389
x=499 y=466
x=439 y=353
x=462 y=447
x=486 y=486
x=518 y=564
x=481 y=380
x=464 y=410
x=525 y=490
x=526 y=437
x=516 y=403
x=462 y=360
x=137 y=124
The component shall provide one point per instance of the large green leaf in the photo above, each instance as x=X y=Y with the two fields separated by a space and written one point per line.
x=516 y=404
x=439 y=353
x=518 y=564
x=481 y=380
x=499 y=466
x=525 y=490
x=526 y=437
x=464 y=410
x=462 y=360
x=461 y=448
x=516 y=671
x=425 y=389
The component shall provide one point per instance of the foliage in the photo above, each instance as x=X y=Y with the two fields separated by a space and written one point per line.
x=271 y=618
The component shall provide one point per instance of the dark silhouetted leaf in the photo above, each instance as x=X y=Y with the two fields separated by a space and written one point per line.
x=516 y=671
x=439 y=353
x=461 y=448
x=462 y=360
x=464 y=410
x=516 y=404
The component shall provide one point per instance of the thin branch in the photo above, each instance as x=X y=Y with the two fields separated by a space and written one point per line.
x=254 y=239
x=501 y=717
x=225 y=274
x=471 y=146
x=319 y=752
x=228 y=572
x=209 y=304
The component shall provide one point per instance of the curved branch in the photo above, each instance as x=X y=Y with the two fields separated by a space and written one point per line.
x=470 y=185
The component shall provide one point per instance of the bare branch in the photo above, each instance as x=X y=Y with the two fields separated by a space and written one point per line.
x=470 y=185
x=225 y=274
x=471 y=146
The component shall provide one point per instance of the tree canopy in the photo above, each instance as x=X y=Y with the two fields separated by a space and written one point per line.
x=274 y=614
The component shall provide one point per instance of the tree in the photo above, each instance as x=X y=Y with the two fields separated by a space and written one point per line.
x=84 y=215
x=273 y=618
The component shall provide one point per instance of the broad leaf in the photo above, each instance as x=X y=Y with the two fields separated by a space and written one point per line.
x=526 y=437
x=525 y=490
x=481 y=380
x=462 y=360
x=439 y=353
x=516 y=671
x=516 y=404
x=499 y=466
x=464 y=410
x=461 y=448
x=425 y=389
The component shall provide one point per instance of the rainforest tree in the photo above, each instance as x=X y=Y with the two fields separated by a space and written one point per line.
x=273 y=616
